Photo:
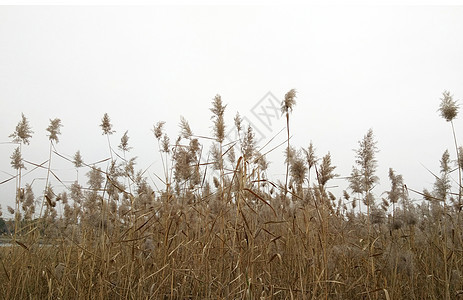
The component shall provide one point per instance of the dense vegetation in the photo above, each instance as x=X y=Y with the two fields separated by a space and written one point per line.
x=219 y=228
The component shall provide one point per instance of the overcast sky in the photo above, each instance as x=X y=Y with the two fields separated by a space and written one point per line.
x=354 y=68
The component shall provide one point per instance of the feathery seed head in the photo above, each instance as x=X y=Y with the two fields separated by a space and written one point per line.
x=185 y=128
x=23 y=131
x=106 y=125
x=460 y=157
x=17 y=160
x=165 y=144
x=298 y=168
x=289 y=102
x=124 y=145
x=448 y=107
x=238 y=120
x=78 y=161
x=54 y=130
x=157 y=129
x=326 y=170
x=218 y=110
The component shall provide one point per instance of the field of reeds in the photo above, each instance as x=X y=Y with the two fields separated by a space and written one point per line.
x=219 y=228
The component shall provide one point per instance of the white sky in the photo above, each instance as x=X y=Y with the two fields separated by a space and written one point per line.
x=354 y=67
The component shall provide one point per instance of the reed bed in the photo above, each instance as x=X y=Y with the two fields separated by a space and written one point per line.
x=232 y=233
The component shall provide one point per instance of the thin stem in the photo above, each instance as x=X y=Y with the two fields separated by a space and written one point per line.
x=459 y=164
x=164 y=169
x=103 y=206
x=221 y=173
x=167 y=178
x=110 y=150
x=18 y=191
x=127 y=175
x=287 y=155
x=46 y=181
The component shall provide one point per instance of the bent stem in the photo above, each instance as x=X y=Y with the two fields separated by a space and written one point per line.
x=47 y=179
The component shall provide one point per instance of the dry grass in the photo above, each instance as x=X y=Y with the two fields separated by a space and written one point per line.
x=246 y=238
x=235 y=253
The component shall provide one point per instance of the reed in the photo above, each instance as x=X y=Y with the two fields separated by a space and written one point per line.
x=240 y=236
